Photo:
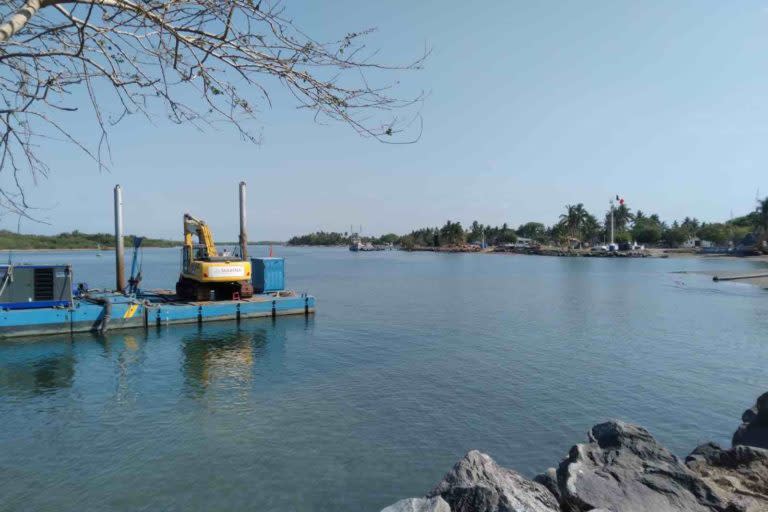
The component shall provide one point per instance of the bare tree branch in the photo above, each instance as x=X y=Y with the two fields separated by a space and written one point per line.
x=123 y=57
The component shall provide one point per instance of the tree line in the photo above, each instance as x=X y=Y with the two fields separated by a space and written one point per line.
x=575 y=225
x=73 y=240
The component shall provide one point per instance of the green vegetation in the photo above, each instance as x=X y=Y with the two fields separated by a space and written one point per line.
x=533 y=230
x=576 y=227
x=73 y=240
x=320 y=238
x=333 y=238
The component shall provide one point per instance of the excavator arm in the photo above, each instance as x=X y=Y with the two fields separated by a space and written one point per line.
x=193 y=226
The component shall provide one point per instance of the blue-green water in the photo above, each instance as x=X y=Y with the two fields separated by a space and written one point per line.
x=411 y=360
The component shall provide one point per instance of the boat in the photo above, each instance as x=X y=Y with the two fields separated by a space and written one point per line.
x=355 y=243
x=40 y=299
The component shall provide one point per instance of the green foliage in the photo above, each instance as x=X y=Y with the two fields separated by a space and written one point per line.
x=646 y=233
x=675 y=236
x=647 y=230
x=320 y=238
x=715 y=232
x=558 y=234
x=622 y=237
x=493 y=234
x=534 y=230
x=575 y=223
x=578 y=223
x=425 y=237
x=751 y=220
x=73 y=240
x=622 y=217
x=737 y=233
x=451 y=234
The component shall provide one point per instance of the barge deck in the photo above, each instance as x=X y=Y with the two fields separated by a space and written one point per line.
x=100 y=312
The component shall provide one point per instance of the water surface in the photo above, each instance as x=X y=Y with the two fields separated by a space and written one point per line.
x=411 y=360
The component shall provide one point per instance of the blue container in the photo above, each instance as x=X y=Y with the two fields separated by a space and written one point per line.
x=268 y=274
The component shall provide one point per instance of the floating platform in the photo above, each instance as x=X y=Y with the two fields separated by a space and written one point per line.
x=105 y=311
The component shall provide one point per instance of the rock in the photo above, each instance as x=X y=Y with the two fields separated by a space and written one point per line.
x=549 y=480
x=754 y=427
x=436 y=504
x=624 y=469
x=739 y=475
x=477 y=484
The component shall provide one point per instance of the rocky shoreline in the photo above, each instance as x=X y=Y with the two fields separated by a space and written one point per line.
x=621 y=468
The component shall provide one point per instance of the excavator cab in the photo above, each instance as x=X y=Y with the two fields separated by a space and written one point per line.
x=205 y=273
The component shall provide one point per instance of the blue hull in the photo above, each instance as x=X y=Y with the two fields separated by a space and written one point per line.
x=152 y=310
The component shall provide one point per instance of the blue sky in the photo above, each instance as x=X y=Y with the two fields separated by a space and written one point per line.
x=532 y=105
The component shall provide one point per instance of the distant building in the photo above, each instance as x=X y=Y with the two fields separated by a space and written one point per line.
x=695 y=242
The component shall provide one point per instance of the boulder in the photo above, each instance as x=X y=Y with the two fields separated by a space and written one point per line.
x=753 y=430
x=739 y=475
x=549 y=480
x=436 y=504
x=624 y=469
x=477 y=484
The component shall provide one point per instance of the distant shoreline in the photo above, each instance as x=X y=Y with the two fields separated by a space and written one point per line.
x=112 y=249
x=80 y=249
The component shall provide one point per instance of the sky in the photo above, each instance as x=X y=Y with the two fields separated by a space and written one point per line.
x=530 y=106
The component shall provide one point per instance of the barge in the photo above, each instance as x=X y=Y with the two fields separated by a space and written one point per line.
x=102 y=311
x=42 y=299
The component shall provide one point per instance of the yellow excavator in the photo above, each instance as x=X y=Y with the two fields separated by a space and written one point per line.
x=208 y=275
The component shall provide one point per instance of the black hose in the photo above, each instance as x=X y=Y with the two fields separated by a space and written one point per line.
x=104 y=324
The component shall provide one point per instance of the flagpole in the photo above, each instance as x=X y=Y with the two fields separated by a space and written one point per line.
x=611 y=221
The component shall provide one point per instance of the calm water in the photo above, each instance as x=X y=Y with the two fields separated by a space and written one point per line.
x=411 y=360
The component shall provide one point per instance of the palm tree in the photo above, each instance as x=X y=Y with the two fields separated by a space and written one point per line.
x=574 y=219
x=622 y=216
x=762 y=215
x=590 y=228
x=762 y=211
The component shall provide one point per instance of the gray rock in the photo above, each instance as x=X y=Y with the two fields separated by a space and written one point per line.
x=436 y=504
x=477 y=484
x=739 y=475
x=549 y=480
x=754 y=427
x=624 y=469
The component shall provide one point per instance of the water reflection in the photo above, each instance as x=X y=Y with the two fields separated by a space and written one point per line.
x=236 y=357
x=36 y=368
x=220 y=355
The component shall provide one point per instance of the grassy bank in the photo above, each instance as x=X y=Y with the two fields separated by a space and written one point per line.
x=73 y=240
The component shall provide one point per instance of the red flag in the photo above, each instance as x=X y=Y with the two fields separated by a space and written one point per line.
x=270 y=250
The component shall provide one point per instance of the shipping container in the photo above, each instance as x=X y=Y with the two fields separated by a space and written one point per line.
x=268 y=274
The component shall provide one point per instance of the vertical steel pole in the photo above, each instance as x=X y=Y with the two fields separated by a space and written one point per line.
x=119 y=245
x=243 y=231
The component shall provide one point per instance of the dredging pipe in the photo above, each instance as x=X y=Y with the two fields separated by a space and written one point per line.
x=119 y=245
